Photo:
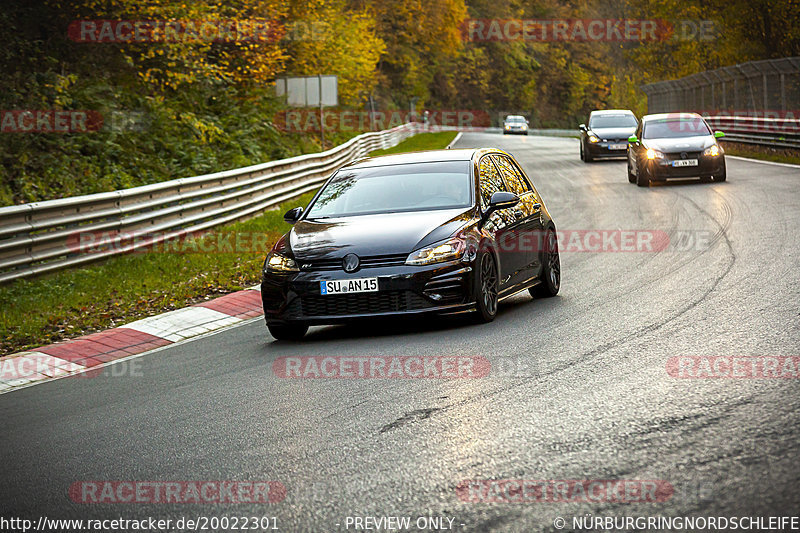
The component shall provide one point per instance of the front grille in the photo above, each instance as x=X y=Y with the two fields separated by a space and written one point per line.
x=677 y=155
x=370 y=261
x=362 y=303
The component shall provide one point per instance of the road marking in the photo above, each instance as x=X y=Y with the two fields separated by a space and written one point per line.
x=789 y=165
x=454 y=141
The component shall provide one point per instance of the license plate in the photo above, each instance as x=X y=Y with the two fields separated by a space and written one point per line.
x=685 y=163
x=346 y=286
x=617 y=146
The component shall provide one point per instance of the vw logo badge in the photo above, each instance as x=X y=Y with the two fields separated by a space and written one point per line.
x=684 y=155
x=350 y=263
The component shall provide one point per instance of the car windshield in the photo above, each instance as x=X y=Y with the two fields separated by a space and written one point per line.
x=613 y=121
x=675 y=127
x=515 y=119
x=395 y=188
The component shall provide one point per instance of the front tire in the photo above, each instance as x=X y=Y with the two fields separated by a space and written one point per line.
x=486 y=288
x=722 y=176
x=631 y=177
x=587 y=155
x=287 y=332
x=551 y=271
x=642 y=177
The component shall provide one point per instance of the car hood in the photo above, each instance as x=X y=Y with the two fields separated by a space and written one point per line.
x=366 y=235
x=683 y=144
x=614 y=133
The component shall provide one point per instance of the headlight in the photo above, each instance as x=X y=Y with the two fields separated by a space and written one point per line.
x=277 y=260
x=712 y=150
x=654 y=154
x=593 y=139
x=438 y=253
x=280 y=263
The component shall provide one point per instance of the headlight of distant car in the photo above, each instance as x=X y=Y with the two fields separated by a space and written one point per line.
x=438 y=253
x=654 y=154
x=712 y=150
x=593 y=138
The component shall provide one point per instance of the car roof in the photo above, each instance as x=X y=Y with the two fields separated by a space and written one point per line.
x=428 y=156
x=661 y=116
x=612 y=112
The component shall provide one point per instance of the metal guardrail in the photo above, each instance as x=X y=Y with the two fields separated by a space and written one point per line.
x=769 y=84
x=754 y=103
x=44 y=237
x=762 y=131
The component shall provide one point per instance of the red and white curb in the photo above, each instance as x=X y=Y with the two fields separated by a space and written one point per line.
x=98 y=349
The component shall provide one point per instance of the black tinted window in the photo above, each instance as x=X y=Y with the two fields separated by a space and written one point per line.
x=490 y=180
x=677 y=127
x=395 y=188
x=516 y=182
x=613 y=121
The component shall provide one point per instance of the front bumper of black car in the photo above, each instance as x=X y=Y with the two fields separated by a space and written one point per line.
x=611 y=148
x=707 y=166
x=402 y=290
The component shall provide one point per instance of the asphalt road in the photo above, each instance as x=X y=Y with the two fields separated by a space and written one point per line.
x=582 y=392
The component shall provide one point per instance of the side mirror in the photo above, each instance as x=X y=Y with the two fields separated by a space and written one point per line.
x=499 y=200
x=719 y=134
x=633 y=139
x=582 y=127
x=503 y=200
x=293 y=215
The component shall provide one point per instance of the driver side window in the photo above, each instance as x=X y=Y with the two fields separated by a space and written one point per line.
x=490 y=180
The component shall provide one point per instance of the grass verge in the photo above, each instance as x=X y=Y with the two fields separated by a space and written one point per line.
x=766 y=153
x=122 y=289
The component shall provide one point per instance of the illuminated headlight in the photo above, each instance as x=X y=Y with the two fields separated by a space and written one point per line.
x=654 y=154
x=280 y=263
x=438 y=253
x=506 y=126
x=712 y=150
x=593 y=139
x=524 y=126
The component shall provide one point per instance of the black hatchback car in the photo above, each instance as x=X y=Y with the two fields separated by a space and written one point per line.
x=675 y=145
x=606 y=134
x=447 y=231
